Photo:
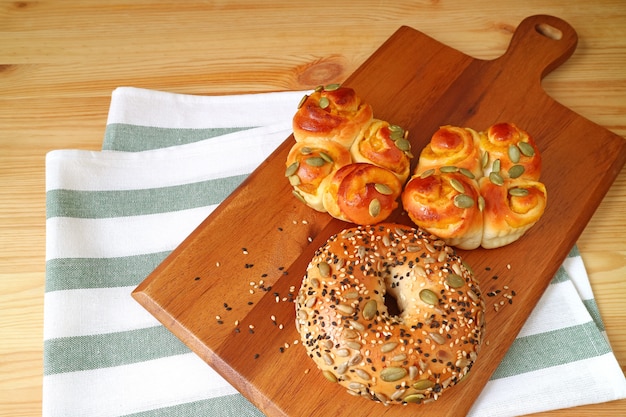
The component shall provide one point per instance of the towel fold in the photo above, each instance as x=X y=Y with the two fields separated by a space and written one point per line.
x=114 y=215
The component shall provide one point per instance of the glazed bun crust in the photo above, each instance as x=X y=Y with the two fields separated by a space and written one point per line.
x=452 y=146
x=477 y=188
x=337 y=114
x=311 y=164
x=362 y=193
x=446 y=204
x=382 y=144
x=412 y=355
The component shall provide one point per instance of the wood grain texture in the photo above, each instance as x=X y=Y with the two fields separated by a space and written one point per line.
x=59 y=62
x=431 y=85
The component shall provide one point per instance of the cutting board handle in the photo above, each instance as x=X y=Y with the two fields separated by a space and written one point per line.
x=542 y=43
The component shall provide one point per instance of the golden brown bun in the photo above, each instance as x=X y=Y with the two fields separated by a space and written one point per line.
x=452 y=146
x=447 y=205
x=311 y=164
x=395 y=357
x=336 y=114
x=510 y=209
x=486 y=165
x=514 y=149
x=385 y=145
x=362 y=193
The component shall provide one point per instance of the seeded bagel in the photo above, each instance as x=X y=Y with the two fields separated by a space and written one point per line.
x=391 y=313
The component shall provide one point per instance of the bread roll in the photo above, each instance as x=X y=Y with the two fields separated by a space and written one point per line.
x=447 y=205
x=311 y=164
x=510 y=209
x=362 y=193
x=452 y=146
x=385 y=145
x=331 y=113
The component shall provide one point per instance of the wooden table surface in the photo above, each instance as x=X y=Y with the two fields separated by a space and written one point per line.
x=60 y=61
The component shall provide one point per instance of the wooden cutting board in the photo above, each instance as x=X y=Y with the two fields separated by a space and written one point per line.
x=227 y=290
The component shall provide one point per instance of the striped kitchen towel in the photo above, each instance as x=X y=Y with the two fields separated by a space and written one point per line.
x=114 y=215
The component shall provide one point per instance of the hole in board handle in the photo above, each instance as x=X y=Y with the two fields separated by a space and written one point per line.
x=549 y=31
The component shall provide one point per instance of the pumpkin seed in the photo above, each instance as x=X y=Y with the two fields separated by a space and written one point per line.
x=294 y=180
x=518 y=192
x=496 y=178
x=370 y=309
x=495 y=167
x=429 y=297
x=329 y=376
x=345 y=309
x=388 y=347
x=423 y=384
x=526 y=149
x=302 y=100
x=362 y=374
x=324 y=102
x=315 y=161
x=324 y=269
x=332 y=87
x=514 y=154
x=374 y=207
x=467 y=173
x=448 y=168
x=396 y=128
x=403 y=144
x=305 y=150
x=392 y=373
x=455 y=281
x=463 y=201
x=326 y=157
x=413 y=398
x=457 y=185
x=516 y=171
x=292 y=169
x=384 y=189
x=427 y=173
x=319 y=88
x=343 y=352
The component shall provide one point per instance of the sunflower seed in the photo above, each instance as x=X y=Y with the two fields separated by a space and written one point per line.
x=355 y=359
x=324 y=269
x=388 y=347
x=345 y=309
x=329 y=376
x=343 y=352
x=342 y=368
x=437 y=338
x=362 y=374
x=481 y=203
x=370 y=309
x=328 y=360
